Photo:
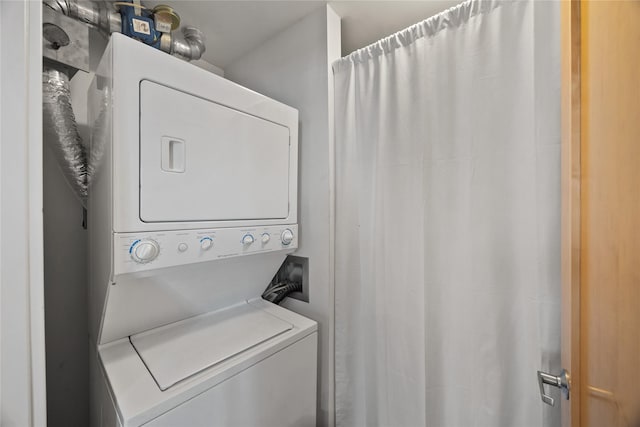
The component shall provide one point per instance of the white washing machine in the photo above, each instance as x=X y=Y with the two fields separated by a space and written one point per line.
x=192 y=210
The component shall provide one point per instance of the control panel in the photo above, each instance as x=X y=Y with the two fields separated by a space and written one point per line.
x=151 y=250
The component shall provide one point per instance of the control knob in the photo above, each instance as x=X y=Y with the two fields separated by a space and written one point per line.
x=144 y=251
x=247 y=239
x=206 y=243
x=287 y=237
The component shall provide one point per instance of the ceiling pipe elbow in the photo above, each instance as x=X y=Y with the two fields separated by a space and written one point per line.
x=191 y=47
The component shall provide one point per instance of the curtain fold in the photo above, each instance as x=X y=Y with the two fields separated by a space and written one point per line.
x=447 y=220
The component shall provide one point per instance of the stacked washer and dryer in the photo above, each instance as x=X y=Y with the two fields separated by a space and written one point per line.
x=192 y=210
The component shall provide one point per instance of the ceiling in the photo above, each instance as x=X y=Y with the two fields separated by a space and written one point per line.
x=234 y=28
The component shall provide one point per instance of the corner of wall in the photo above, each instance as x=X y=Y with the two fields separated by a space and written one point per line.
x=334 y=52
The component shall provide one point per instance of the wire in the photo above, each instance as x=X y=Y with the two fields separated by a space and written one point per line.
x=275 y=287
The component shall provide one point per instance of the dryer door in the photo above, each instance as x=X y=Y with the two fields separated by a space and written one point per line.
x=202 y=161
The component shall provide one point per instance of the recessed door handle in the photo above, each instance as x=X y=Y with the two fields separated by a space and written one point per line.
x=561 y=381
x=173 y=154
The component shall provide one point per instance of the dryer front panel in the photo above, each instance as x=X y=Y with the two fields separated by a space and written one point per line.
x=202 y=161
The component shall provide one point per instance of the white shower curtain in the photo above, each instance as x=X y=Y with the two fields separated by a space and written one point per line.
x=447 y=220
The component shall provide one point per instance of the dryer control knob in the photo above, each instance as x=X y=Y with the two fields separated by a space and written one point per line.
x=265 y=238
x=206 y=243
x=144 y=251
x=287 y=237
x=247 y=239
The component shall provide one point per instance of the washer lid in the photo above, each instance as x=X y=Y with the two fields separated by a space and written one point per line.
x=179 y=350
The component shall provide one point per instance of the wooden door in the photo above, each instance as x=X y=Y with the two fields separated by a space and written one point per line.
x=601 y=212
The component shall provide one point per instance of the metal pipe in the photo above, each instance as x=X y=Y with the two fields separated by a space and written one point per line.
x=97 y=14
x=192 y=47
x=85 y=11
x=58 y=6
x=60 y=131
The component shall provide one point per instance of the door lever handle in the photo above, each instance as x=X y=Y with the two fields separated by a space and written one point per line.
x=561 y=381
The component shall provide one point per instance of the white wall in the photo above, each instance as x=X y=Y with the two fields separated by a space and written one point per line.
x=294 y=67
x=22 y=364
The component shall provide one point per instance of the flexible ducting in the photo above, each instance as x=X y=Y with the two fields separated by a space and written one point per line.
x=61 y=132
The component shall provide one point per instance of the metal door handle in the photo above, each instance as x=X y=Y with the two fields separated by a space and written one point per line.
x=561 y=381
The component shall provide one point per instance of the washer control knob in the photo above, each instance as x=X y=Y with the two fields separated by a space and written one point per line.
x=265 y=238
x=286 y=237
x=144 y=251
x=206 y=243
x=182 y=247
x=247 y=239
